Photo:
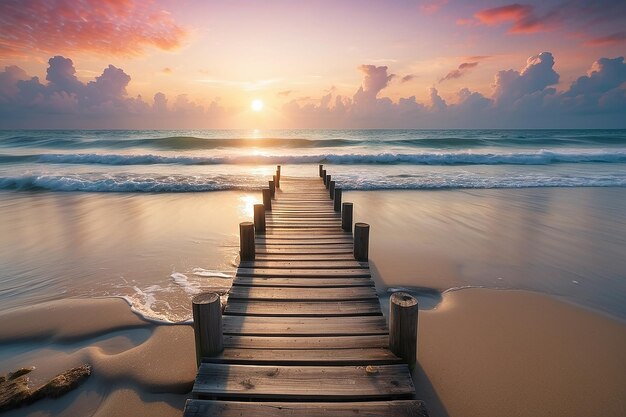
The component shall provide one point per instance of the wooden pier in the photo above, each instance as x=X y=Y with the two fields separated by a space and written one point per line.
x=302 y=332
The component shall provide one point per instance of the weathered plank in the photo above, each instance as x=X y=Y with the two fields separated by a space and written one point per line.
x=303 y=282
x=313 y=273
x=300 y=294
x=305 y=257
x=306 y=357
x=324 y=264
x=398 y=408
x=314 y=250
x=369 y=307
x=296 y=383
x=269 y=242
x=325 y=342
x=304 y=326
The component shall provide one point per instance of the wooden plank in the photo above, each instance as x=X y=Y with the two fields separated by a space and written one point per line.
x=304 y=326
x=214 y=408
x=301 y=226
x=309 y=232
x=298 y=294
x=304 y=282
x=313 y=273
x=306 y=357
x=305 y=237
x=309 y=242
x=295 y=383
x=303 y=308
x=326 y=342
x=316 y=250
x=324 y=264
x=280 y=257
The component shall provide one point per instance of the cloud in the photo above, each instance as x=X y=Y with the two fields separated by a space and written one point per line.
x=432 y=6
x=612 y=39
x=522 y=16
x=407 y=78
x=460 y=71
x=167 y=70
x=284 y=93
x=108 y=27
x=374 y=80
x=524 y=98
x=66 y=102
x=538 y=74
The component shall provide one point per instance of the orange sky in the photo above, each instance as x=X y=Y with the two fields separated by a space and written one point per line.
x=231 y=53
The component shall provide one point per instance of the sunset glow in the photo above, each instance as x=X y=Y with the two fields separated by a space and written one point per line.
x=256 y=105
x=358 y=64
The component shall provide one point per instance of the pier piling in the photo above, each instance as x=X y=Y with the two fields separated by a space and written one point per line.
x=346 y=217
x=403 y=311
x=246 y=241
x=361 y=241
x=207 y=325
x=259 y=219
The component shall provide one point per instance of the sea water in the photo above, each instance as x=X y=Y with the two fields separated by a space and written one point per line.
x=152 y=216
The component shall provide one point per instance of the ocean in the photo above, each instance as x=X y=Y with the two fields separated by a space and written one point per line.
x=151 y=216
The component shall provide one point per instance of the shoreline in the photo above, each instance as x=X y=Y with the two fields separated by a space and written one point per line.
x=135 y=359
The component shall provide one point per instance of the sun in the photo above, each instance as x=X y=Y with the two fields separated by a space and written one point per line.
x=256 y=105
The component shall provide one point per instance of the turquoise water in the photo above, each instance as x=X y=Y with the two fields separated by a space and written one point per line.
x=210 y=160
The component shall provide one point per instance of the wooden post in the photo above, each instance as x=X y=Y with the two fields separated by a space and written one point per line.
x=361 y=241
x=331 y=189
x=267 y=199
x=337 y=199
x=278 y=172
x=277 y=176
x=346 y=217
x=403 y=327
x=207 y=325
x=259 y=219
x=273 y=187
x=327 y=183
x=246 y=241
x=324 y=176
x=321 y=169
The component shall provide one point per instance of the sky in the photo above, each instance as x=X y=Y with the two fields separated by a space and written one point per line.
x=183 y=64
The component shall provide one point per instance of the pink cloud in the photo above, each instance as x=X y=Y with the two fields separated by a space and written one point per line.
x=112 y=27
x=522 y=16
x=460 y=71
x=613 y=39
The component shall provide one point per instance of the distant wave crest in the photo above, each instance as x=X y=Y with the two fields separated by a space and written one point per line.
x=541 y=157
x=143 y=183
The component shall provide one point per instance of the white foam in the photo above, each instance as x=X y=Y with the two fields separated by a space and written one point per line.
x=201 y=272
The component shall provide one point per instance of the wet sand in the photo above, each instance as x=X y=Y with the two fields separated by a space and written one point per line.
x=482 y=352
x=139 y=368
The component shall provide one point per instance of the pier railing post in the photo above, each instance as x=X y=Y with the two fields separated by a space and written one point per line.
x=207 y=325
x=267 y=199
x=361 y=241
x=278 y=172
x=277 y=178
x=346 y=217
x=331 y=189
x=246 y=241
x=324 y=176
x=272 y=184
x=321 y=169
x=403 y=310
x=259 y=219
x=337 y=200
x=327 y=183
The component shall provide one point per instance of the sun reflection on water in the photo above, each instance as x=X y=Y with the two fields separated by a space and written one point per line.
x=246 y=206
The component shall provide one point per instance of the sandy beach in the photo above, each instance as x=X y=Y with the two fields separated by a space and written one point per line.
x=513 y=351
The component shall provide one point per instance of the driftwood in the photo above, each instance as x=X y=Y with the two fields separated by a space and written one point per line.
x=15 y=392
